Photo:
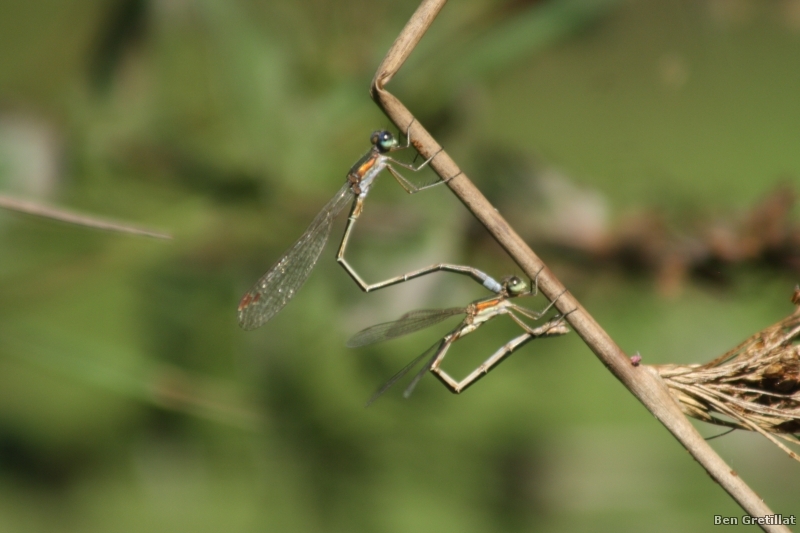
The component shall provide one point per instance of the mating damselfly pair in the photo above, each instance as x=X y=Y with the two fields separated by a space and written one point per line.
x=281 y=282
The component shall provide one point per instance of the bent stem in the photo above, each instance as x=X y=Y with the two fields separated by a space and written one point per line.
x=646 y=386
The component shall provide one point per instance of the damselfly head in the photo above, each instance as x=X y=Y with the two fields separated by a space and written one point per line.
x=514 y=286
x=384 y=140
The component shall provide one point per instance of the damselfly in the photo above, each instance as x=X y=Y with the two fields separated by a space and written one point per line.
x=282 y=281
x=477 y=313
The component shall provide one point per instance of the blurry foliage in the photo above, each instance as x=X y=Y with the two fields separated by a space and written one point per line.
x=130 y=400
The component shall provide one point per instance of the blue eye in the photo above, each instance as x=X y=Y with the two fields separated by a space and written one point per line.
x=386 y=141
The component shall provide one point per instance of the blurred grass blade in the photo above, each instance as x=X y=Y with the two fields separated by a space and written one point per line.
x=71 y=217
x=529 y=31
x=162 y=385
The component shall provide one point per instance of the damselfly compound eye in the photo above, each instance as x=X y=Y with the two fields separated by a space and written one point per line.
x=514 y=285
x=386 y=141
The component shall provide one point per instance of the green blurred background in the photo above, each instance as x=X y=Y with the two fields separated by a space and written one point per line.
x=131 y=401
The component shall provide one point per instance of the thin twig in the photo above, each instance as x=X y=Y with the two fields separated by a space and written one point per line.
x=645 y=385
x=71 y=217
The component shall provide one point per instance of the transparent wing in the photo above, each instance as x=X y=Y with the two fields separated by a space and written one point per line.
x=408 y=323
x=406 y=369
x=425 y=368
x=282 y=281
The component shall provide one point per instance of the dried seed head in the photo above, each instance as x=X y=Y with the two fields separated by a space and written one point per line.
x=755 y=386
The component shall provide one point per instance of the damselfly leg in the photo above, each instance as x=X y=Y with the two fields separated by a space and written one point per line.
x=550 y=328
x=477 y=313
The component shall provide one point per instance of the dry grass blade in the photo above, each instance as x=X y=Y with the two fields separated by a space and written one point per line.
x=755 y=386
x=71 y=217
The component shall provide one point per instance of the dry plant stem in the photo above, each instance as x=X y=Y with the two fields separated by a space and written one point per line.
x=70 y=217
x=647 y=387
